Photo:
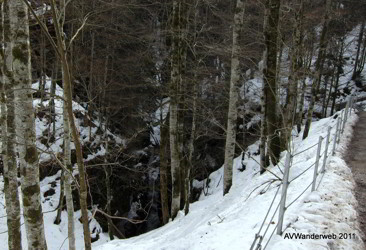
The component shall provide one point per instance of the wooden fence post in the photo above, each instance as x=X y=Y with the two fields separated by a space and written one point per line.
x=284 y=193
x=317 y=163
x=326 y=150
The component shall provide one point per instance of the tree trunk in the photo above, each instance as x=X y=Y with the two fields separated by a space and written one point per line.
x=187 y=183
x=68 y=181
x=326 y=80
x=8 y=133
x=319 y=68
x=164 y=140
x=330 y=92
x=263 y=128
x=107 y=168
x=263 y=138
x=175 y=87
x=233 y=99
x=339 y=70
x=269 y=77
x=359 y=44
x=362 y=61
x=295 y=66
x=52 y=98
x=25 y=125
x=74 y=131
x=91 y=84
x=61 y=199
x=108 y=174
x=307 y=65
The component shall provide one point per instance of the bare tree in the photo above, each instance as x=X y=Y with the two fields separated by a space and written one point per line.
x=323 y=43
x=269 y=77
x=234 y=96
x=177 y=56
x=295 y=66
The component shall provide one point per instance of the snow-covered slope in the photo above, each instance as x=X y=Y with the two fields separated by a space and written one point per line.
x=231 y=222
x=44 y=126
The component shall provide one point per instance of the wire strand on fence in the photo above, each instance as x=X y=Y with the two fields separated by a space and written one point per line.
x=269 y=209
x=292 y=202
x=257 y=235
x=307 y=169
x=274 y=229
x=320 y=181
x=304 y=150
x=303 y=172
x=321 y=155
x=269 y=224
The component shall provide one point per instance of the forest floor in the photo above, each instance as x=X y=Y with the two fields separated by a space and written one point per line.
x=356 y=160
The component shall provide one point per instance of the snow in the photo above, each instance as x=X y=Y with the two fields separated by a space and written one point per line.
x=217 y=222
x=44 y=126
x=159 y=114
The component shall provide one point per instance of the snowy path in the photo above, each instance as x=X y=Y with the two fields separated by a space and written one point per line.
x=356 y=159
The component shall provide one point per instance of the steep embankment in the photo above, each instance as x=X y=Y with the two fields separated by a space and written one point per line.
x=217 y=222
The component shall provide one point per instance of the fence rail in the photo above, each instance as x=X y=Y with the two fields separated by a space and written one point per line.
x=281 y=207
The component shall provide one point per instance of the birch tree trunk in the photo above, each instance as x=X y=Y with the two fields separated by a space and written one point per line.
x=269 y=78
x=25 y=125
x=68 y=181
x=318 y=67
x=233 y=99
x=8 y=133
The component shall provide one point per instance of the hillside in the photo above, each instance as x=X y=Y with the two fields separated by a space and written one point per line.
x=163 y=93
x=217 y=222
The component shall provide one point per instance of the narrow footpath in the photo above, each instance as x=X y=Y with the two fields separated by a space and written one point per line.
x=356 y=160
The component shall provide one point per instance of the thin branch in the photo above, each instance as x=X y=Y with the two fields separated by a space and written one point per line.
x=43 y=27
x=117 y=217
x=79 y=29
